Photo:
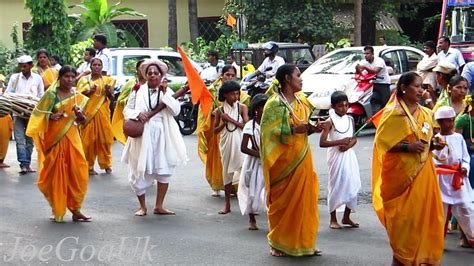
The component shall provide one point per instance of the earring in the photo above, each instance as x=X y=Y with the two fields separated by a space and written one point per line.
x=403 y=91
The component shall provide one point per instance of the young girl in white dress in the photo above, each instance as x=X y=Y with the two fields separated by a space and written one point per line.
x=344 y=177
x=251 y=192
x=230 y=119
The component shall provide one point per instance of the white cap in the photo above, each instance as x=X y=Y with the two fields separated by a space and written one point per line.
x=445 y=112
x=25 y=59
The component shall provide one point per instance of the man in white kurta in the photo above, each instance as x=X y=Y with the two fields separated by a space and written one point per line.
x=457 y=200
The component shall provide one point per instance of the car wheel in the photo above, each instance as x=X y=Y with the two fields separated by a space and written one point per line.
x=187 y=122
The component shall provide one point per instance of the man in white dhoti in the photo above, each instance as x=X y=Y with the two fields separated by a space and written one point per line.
x=230 y=119
x=452 y=165
x=251 y=192
x=344 y=178
x=156 y=154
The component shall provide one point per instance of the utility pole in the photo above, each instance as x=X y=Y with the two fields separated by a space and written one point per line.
x=357 y=22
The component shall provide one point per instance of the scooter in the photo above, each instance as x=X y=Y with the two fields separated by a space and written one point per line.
x=188 y=116
x=359 y=99
x=255 y=84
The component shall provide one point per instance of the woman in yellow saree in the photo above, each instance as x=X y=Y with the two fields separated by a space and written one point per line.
x=118 y=118
x=97 y=134
x=63 y=168
x=44 y=69
x=290 y=180
x=208 y=141
x=6 y=129
x=405 y=191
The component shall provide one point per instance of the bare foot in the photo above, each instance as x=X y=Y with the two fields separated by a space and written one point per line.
x=253 y=226
x=31 y=170
x=224 y=211
x=163 y=211
x=79 y=217
x=335 y=225
x=277 y=253
x=4 y=165
x=350 y=223
x=140 y=212
x=108 y=170
x=92 y=172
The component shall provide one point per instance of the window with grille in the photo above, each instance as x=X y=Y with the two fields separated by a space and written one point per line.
x=138 y=28
x=208 y=28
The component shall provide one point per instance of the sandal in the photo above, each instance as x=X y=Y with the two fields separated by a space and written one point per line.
x=79 y=217
x=277 y=253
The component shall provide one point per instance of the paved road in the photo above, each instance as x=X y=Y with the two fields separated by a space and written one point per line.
x=196 y=235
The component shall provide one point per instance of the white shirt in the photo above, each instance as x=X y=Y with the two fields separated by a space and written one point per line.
x=425 y=69
x=211 y=73
x=86 y=66
x=57 y=67
x=33 y=85
x=382 y=76
x=106 y=58
x=453 y=56
x=276 y=63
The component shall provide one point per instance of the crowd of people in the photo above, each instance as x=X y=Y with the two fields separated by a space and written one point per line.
x=257 y=147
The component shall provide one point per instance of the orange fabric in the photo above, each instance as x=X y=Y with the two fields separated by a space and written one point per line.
x=231 y=21
x=375 y=119
x=49 y=76
x=199 y=91
x=405 y=191
x=6 y=129
x=211 y=157
x=455 y=170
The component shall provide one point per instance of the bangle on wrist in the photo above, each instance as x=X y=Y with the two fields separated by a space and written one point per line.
x=429 y=100
x=404 y=147
x=291 y=130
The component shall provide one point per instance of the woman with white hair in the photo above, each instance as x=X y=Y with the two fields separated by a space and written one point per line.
x=158 y=151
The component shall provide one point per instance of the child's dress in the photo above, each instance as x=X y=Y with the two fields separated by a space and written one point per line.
x=456 y=191
x=251 y=192
x=344 y=177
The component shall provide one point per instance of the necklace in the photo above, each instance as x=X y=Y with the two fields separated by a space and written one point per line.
x=345 y=131
x=238 y=116
x=149 y=99
x=285 y=101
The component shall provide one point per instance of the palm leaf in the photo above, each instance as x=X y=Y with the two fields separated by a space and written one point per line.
x=110 y=31
x=128 y=38
x=86 y=34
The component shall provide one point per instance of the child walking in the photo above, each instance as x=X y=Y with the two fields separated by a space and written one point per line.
x=230 y=120
x=452 y=163
x=252 y=184
x=344 y=178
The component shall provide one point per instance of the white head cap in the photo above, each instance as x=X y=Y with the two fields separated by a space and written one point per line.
x=445 y=112
x=25 y=59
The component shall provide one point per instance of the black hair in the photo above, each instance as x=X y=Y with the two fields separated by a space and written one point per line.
x=337 y=97
x=446 y=39
x=369 y=48
x=66 y=69
x=226 y=87
x=430 y=44
x=283 y=71
x=91 y=51
x=448 y=77
x=213 y=53
x=455 y=80
x=139 y=62
x=42 y=51
x=227 y=68
x=405 y=80
x=56 y=57
x=258 y=100
x=96 y=58
x=101 y=38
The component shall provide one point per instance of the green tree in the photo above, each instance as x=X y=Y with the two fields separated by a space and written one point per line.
x=97 y=16
x=49 y=27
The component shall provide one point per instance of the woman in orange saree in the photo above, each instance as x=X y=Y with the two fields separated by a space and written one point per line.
x=6 y=129
x=44 y=69
x=63 y=168
x=405 y=191
x=97 y=133
x=290 y=180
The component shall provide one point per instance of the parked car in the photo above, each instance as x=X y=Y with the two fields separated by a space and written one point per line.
x=125 y=59
x=296 y=53
x=335 y=72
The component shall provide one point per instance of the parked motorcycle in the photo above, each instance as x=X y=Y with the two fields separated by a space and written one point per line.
x=188 y=116
x=359 y=99
x=254 y=84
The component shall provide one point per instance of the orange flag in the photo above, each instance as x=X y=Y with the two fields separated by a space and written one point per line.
x=199 y=91
x=375 y=119
x=231 y=21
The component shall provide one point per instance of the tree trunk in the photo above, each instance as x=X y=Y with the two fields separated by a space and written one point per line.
x=172 y=25
x=193 y=21
x=357 y=22
x=368 y=22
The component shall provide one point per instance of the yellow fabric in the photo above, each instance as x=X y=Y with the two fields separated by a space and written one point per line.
x=290 y=180
x=445 y=101
x=6 y=128
x=247 y=69
x=118 y=118
x=97 y=134
x=405 y=191
x=63 y=175
x=49 y=76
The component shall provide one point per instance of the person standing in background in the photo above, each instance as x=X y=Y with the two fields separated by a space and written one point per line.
x=6 y=129
x=100 y=43
x=452 y=55
x=85 y=68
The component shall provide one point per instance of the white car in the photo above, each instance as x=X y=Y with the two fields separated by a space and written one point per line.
x=335 y=71
x=124 y=61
